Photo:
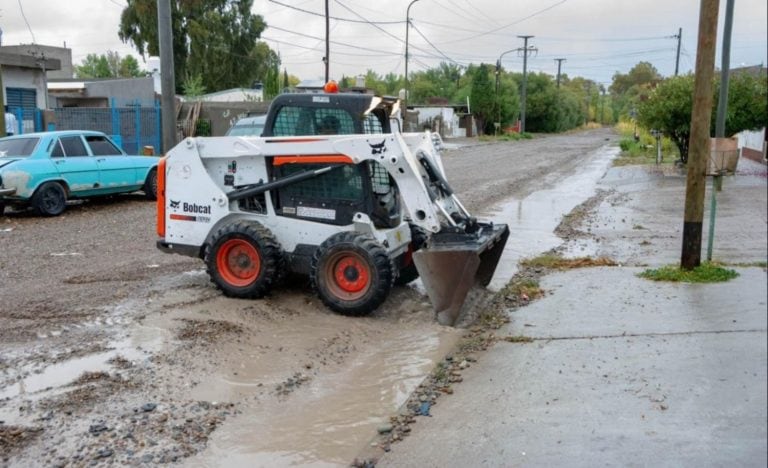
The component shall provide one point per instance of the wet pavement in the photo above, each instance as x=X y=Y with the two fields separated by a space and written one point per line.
x=621 y=370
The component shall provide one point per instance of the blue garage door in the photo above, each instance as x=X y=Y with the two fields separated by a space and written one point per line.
x=25 y=98
x=23 y=103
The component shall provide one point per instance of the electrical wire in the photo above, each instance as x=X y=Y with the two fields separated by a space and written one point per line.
x=433 y=46
x=34 y=41
x=348 y=20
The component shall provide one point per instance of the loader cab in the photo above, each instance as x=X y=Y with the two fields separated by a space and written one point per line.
x=309 y=114
x=333 y=197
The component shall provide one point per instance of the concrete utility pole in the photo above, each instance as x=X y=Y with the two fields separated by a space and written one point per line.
x=407 y=29
x=167 y=79
x=2 y=105
x=559 y=65
x=677 y=59
x=327 y=58
x=725 y=68
x=699 y=139
x=525 y=51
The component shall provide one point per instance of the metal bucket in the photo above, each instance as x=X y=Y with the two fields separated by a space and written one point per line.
x=453 y=263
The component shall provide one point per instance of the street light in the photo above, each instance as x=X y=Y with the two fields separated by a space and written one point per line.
x=498 y=76
x=407 y=28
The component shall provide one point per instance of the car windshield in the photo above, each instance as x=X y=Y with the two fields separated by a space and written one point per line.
x=15 y=147
x=246 y=130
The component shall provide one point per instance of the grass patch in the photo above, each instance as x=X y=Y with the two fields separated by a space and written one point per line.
x=556 y=262
x=506 y=137
x=524 y=288
x=705 y=273
x=518 y=339
x=642 y=150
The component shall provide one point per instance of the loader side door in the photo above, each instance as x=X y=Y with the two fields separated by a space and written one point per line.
x=330 y=198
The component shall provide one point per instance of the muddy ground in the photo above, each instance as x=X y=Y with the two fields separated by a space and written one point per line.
x=113 y=352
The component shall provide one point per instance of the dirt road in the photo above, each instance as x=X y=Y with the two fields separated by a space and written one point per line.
x=113 y=352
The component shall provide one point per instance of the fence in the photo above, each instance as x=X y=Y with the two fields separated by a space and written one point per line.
x=132 y=126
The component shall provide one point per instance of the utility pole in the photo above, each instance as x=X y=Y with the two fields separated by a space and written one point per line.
x=699 y=139
x=677 y=59
x=167 y=79
x=327 y=58
x=559 y=64
x=602 y=105
x=722 y=108
x=589 y=98
x=525 y=51
x=407 y=29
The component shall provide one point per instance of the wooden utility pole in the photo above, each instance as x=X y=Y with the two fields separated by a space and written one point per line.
x=167 y=77
x=699 y=140
x=677 y=57
x=559 y=65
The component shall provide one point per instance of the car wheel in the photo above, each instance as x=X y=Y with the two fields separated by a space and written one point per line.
x=352 y=273
x=150 y=185
x=49 y=199
x=244 y=259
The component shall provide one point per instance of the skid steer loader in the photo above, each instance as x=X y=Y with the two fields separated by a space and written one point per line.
x=333 y=190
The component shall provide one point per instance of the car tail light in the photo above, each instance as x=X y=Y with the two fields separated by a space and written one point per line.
x=161 y=198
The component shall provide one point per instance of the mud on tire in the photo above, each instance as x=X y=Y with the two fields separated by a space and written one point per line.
x=351 y=273
x=244 y=259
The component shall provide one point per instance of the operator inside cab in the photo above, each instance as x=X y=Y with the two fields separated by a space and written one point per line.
x=329 y=125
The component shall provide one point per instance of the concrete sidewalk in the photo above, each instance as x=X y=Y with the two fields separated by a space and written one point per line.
x=622 y=371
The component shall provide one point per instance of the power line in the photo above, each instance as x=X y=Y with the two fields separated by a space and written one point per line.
x=348 y=20
x=333 y=42
x=433 y=46
x=34 y=41
x=510 y=24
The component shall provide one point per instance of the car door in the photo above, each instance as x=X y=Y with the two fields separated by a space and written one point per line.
x=76 y=165
x=116 y=170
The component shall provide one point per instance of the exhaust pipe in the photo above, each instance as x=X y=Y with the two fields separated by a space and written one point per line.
x=453 y=263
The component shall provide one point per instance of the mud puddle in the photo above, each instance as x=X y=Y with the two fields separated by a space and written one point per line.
x=532 y=220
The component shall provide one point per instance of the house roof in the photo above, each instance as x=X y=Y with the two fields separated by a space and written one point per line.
x=10 y=59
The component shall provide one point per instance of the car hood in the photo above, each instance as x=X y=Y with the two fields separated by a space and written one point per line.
x=5 y=161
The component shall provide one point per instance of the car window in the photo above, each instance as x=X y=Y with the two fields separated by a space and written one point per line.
x=58 y=151
x=101 y=146
x=73 y=146
x=246 y=130
x=18 y=146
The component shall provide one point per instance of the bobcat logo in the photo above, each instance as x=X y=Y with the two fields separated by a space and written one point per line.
x=378 y=148
x=175 y=204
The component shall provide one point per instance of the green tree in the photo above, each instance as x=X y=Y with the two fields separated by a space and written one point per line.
x=669 y=107
x=482 y=98
x=93 y=66
x=193 y=86
x=215 y=39
x=109 y=65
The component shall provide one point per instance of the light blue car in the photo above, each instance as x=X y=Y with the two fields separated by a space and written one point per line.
x=44 y=170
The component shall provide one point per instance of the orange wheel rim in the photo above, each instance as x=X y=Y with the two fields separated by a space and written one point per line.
x=238 y=262
x=349 y=275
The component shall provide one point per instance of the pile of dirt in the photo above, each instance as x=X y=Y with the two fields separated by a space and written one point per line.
x=14 y=438
x=207 y=331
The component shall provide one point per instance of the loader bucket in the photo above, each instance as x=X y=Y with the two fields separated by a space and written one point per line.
x=452 y=264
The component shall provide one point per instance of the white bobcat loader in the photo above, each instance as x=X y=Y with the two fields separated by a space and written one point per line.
x=332 y=191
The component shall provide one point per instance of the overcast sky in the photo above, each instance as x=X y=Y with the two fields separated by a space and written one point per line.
x=596 y=37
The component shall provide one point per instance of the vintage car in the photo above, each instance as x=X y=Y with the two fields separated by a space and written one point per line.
x=44 y=170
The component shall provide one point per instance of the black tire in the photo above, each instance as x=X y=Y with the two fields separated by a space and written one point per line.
x=244 y=259
x=49 y=199
x=2 y=208
x=150 y=185
x=408 y=271
x=352 y=273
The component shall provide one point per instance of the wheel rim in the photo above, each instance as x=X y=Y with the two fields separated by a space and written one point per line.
x=51 y=200
x=238 y=262
x=349 y=275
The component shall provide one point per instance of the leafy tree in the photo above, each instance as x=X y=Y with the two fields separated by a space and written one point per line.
x=193 y=86
x=215 y=39
x=482 y=98
x=670 y=105
x=109 y=65
x=129 y=67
